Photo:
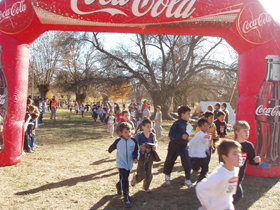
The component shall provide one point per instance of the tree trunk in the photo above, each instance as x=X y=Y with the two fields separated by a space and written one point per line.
x=105 y=98
x=138 y=98
x=43 y=89
x=80 y=97
x=164 y=99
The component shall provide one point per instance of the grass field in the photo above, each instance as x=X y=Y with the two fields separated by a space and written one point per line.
x=72 y=169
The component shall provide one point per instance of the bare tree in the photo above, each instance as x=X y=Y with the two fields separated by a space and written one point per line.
x=43 y=61
x=77 y=71
x=162 y=64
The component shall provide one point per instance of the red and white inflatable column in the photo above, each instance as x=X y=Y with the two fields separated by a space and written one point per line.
x=15 y=61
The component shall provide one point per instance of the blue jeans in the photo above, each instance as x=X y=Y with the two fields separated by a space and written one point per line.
x=33 y=140
x=27 y=139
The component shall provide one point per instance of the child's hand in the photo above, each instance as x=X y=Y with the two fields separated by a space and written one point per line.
x=208 y=152
x=154 y=148
x=257 y=159
x=135 y=161
x=185 y=136
x=142 y=148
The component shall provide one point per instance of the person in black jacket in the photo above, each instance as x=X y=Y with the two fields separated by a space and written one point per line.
x=178 y=146
x=221 y=124
x=241 y=130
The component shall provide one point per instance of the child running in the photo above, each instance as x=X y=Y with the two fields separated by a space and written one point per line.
x=212 y=131
x=221 y=125
x=216 y=191
x=125 y=118
x=199 y=149
x=110 y=123
x=127 y=153
x=178 y=146
x=147 y=143
x=242 y=131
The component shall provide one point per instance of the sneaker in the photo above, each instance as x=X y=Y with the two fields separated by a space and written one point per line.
x=188 y=183
x=119 y=188
x=133 y=180
x=126 y=201
x=167 y=179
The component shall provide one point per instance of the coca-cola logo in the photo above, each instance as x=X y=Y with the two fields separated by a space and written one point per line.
x=270 y=112
x=173 y=8
x=135 y=12
x=15 y=15
x=254 y=24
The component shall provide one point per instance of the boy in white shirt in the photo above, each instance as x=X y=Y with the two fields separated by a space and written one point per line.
x=215 y=192
x=199 y=149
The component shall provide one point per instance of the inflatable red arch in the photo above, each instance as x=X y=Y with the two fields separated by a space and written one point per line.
x=244 y=24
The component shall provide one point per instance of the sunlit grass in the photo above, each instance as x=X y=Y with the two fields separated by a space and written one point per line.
x=72 y=169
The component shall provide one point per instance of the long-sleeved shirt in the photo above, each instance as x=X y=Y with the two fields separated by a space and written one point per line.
x=215 y=192
x=212 y=130
x=176 y=131
x=127 y=151
x=199 y=144
x=248 y=154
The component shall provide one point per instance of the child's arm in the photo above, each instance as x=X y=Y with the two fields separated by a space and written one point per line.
x=114 y=145
x=204 y=189
x=174 y=134
x=253 y=159
x=135 y=152
x=225 y=131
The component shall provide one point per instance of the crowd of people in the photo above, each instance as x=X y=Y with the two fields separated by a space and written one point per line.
x=195 y=152
x=136 y=143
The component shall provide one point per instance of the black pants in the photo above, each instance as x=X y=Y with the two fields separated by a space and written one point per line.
x=202 y=163
x=124 y=174
x=174 y=150
x=239 y=194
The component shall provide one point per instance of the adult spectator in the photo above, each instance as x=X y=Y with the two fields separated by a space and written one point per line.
x=53 y=108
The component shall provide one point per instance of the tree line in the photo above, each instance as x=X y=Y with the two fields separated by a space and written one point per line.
x=169 y=70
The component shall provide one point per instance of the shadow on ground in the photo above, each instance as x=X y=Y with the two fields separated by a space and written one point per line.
x=254 y=188
x=71 y=181
x=177 y=194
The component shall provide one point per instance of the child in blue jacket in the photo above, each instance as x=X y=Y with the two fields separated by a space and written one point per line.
x=178 y=146
x=127 y=153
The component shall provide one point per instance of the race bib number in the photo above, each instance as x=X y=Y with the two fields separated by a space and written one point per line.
x=232 y=184
x=244 y=158
x=222 y=128
x=208 y=136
